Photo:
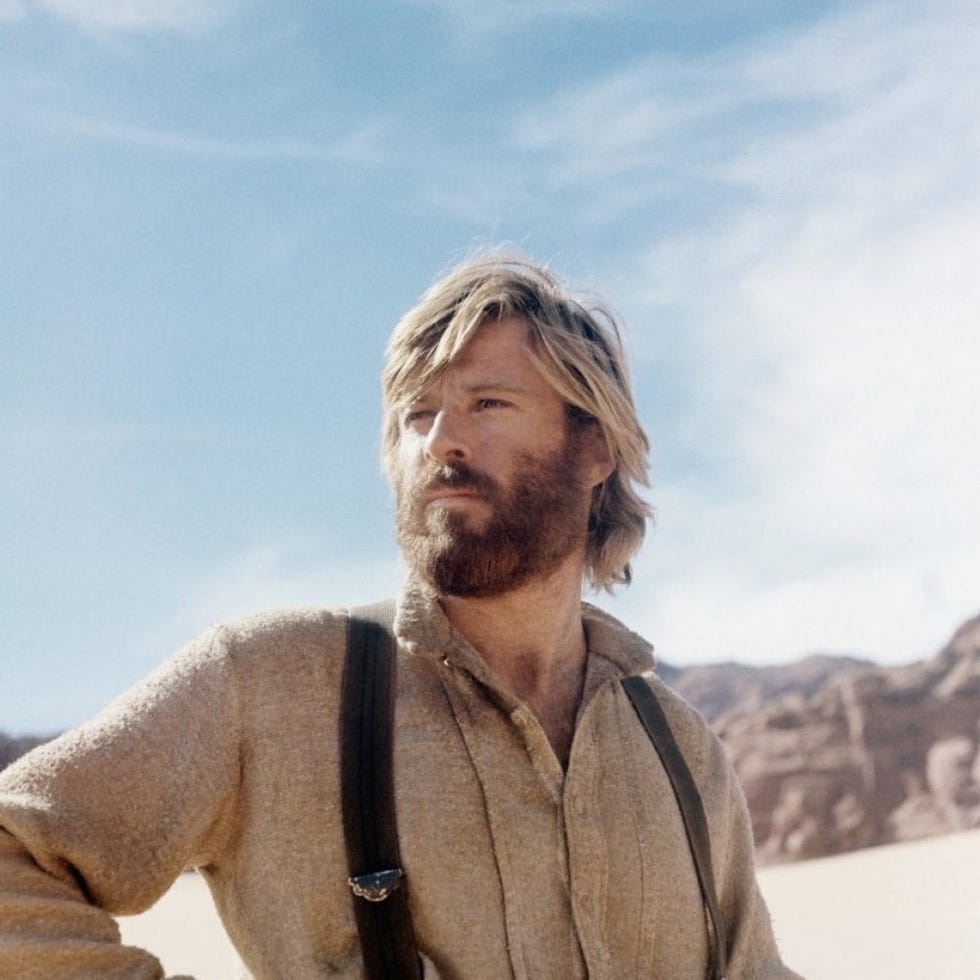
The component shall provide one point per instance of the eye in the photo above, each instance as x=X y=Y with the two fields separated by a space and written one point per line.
x=484 y=403
x=413 y=418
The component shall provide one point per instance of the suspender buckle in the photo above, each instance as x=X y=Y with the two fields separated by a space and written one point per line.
x=376 y=886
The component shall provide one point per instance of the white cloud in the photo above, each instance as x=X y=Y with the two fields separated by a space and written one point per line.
x=628 y=122
x=831 y=324
x=288 y=572
x=12 y=10
x=821 y=99
x=139 y=16
x=473 y=19
x=361 y=145
x=889 y=612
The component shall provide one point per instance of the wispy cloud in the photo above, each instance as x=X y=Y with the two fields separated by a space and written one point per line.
x=811 y=204
x=473 y=19
x=288 y=571
x=771 y=119
x=361 y=145
x=12 y=10
x=137 y=16
x=829 y=322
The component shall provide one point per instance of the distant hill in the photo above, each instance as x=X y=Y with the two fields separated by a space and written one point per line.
x=716 y=689
x=871 y=755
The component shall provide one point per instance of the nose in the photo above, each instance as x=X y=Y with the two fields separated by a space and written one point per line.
x=446 y=439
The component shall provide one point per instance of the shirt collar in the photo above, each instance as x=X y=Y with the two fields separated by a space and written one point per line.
x=423 y=629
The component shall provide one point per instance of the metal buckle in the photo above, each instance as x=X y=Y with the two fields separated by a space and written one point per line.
x=376 y=886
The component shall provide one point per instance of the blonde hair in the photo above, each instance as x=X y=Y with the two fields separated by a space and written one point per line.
x=579 y=351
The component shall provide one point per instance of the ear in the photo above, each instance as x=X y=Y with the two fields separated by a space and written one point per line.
x=595 y=459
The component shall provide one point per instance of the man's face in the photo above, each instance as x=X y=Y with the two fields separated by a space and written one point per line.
x=492 y=487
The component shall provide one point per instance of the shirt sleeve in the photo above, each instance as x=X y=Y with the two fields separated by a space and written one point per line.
x=101 y=821
x=750 y=943
x=752 y=950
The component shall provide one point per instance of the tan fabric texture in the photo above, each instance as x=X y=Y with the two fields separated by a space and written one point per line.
x=226 y=759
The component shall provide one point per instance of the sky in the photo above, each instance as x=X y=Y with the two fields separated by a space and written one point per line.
x=213 y=213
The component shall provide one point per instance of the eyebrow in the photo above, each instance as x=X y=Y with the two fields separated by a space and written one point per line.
x=492 y=385
x=474 y=388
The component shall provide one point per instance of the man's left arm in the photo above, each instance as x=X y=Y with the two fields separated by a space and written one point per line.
x=752 y=950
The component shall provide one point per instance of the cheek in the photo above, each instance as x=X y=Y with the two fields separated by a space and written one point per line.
x=406 y=463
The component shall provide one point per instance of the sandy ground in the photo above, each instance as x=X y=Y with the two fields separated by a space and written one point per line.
x=905 y=912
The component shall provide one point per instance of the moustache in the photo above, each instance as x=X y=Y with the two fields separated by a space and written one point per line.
x=454 y=476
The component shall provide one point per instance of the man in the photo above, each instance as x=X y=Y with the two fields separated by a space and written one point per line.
x=538 y=830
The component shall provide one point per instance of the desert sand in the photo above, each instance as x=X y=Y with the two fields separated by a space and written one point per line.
x=905 y=912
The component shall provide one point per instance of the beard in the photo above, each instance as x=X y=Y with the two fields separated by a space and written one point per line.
x=534 y=525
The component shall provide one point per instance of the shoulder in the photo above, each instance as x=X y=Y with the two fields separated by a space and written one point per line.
x=279 y=630
x=242 y=657
x=701 y=747
x=269 y=647
x=612 y=639
x=679 y=711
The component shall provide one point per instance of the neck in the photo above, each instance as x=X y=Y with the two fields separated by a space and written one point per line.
x=533 y=641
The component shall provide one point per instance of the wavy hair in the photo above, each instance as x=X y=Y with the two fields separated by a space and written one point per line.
x=578 y=349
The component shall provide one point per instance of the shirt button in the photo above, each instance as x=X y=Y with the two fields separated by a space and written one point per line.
x=578 y=802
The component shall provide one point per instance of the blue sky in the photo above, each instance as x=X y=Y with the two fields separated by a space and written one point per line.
x=213 y=213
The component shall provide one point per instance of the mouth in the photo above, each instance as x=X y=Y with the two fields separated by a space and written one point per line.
x=450 y=497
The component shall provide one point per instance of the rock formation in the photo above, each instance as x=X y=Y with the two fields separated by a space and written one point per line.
x=717 y=689
x=873 y=755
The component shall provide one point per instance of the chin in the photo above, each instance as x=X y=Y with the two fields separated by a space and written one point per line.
x=452 y=522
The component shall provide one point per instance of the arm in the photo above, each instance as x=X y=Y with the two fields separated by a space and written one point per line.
x=751 y=946
x=102 y=820
x=752 y=950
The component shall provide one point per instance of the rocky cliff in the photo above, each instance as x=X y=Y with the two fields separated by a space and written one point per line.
x=869 y=755
x=717 y=689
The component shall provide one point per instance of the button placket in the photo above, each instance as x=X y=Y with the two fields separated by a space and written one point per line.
x=586 y=848
x=543 y=759
x=522 y=787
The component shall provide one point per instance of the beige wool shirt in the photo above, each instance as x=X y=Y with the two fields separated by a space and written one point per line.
x=226 y=759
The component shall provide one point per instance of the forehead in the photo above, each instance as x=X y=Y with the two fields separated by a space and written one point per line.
x=497 y=352
x=505 y=342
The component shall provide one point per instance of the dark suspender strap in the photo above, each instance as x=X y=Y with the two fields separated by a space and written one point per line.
x=379 y=895
x=692 y=810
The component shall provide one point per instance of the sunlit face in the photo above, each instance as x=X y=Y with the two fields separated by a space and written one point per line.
x=492 y=484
